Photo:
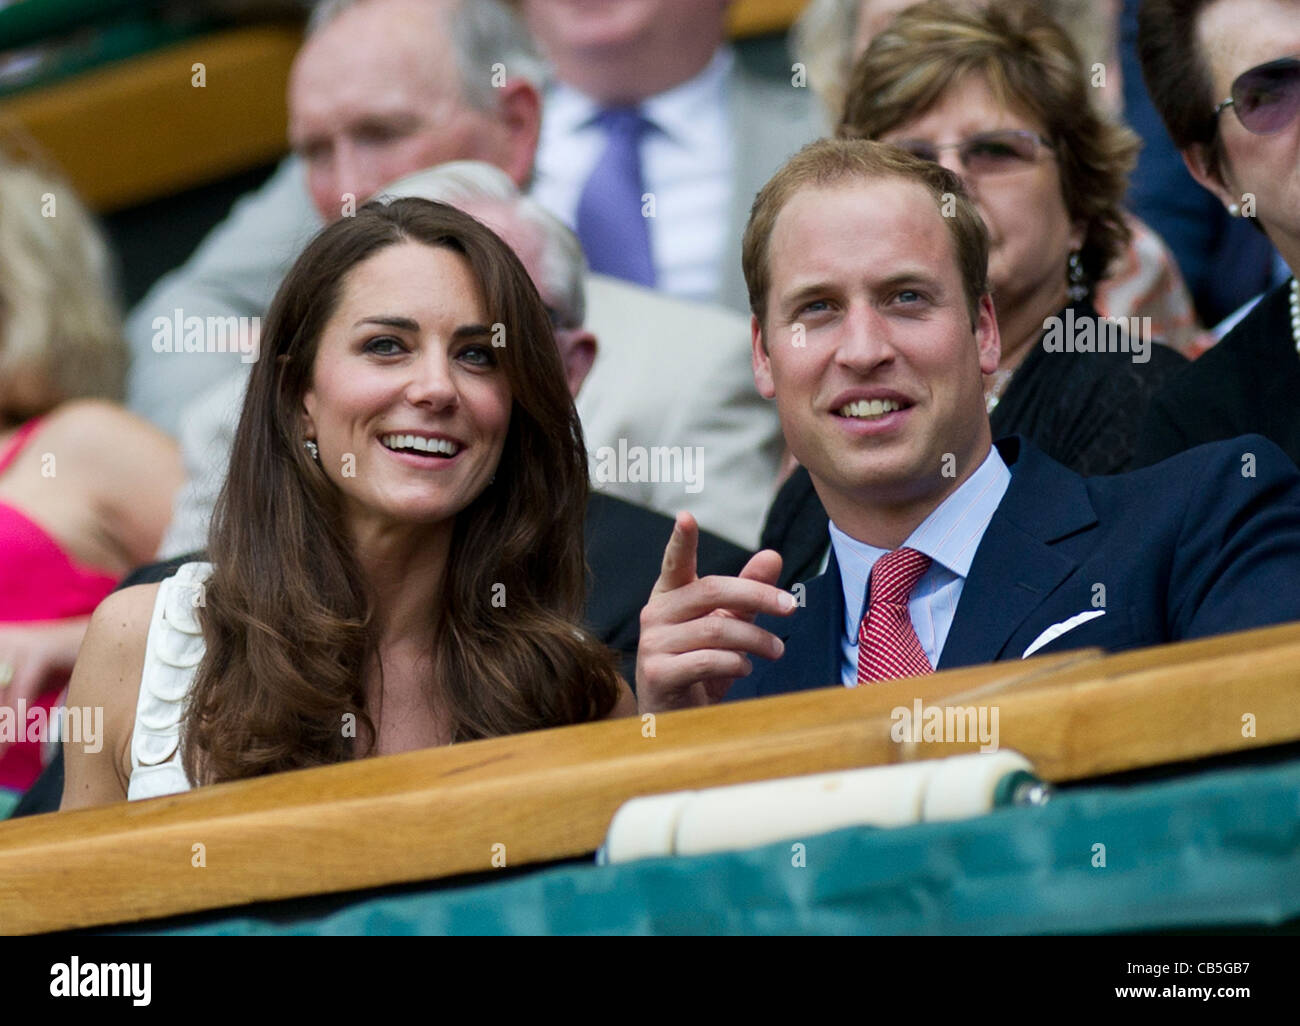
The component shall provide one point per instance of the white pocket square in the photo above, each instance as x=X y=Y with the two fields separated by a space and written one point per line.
x=1057 y=629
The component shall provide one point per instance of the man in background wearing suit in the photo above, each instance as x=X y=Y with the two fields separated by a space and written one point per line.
x=655 y=139
x=872 y=327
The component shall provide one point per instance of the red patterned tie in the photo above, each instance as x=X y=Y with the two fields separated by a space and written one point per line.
x=887 y=643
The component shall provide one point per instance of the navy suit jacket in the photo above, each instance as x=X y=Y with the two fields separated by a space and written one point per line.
x=1204 y=543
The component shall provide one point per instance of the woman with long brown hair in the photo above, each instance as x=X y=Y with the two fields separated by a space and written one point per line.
x=397 y=553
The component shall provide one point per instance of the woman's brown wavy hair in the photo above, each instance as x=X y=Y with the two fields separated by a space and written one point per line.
x=1031 y=66
x=287 y=622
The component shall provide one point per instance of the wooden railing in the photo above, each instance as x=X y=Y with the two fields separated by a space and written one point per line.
x=137 y=129
x=759 y=17
x=551 y=794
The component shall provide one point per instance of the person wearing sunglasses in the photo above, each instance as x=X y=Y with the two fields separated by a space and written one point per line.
x=1000 y=97
x=1225 y=77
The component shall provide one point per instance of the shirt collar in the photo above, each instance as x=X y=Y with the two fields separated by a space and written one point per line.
x=687 y=112
x=949 y=535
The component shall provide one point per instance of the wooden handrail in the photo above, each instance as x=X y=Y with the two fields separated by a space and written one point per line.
x=551 y=794
x=760 y=17
x=137 y=129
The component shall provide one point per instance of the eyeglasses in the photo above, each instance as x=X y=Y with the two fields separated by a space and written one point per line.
x=1266 y=98
x=988 y=153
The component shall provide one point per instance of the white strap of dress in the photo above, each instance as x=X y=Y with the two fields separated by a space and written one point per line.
x=172 y=655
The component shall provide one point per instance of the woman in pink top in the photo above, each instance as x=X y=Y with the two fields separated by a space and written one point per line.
x=85 y=487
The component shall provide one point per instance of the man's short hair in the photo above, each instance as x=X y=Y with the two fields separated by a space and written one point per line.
x=483 y=34
x=830 y=162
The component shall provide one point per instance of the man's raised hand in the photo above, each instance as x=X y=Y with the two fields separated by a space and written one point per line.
x=697 y=633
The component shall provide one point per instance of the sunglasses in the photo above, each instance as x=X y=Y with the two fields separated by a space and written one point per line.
x=1266 y=98
x=988 y=153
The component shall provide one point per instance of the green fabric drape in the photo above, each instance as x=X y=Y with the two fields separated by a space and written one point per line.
x=1215 y=850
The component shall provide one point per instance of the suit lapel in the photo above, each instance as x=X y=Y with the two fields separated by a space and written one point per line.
x=1016 y=567
x=1015 y=570
x=1000 y=592
x=812 y=639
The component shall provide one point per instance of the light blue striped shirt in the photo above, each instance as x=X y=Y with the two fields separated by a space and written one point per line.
x=949 y=536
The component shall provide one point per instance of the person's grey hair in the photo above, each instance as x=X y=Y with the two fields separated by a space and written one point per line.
x=487 y=37
x=564 y=267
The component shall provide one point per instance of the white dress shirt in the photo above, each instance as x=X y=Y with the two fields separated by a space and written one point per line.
x=686 y=164
x=949 y=536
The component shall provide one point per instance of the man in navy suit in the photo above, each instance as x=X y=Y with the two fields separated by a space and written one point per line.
x=873 y=329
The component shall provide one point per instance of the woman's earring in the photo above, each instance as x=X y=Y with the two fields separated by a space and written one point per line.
x=311 y=446
x=1078 y=284
x=1234 y=210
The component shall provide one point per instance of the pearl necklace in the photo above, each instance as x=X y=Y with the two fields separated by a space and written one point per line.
x=1295 y=313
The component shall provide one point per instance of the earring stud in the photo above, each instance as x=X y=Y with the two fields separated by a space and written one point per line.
x=1078 y=283
x=311 y=446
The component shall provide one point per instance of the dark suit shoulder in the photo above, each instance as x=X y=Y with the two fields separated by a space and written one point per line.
x=625 y=548
x=1255 y=342
x=155 y=573
x=797 y=528
x=1203 y=475
x=1203 y=543
x=1253 y=352
x=810 y=634
x=1249 y=382
x=1235 y=557
x=634 y=532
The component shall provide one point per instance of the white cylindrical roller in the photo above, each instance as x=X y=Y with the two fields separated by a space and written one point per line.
x=750 y=815
x=966 y=785
x=645 y=827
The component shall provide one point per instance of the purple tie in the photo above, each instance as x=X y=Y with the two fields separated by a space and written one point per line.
x=614 y=233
